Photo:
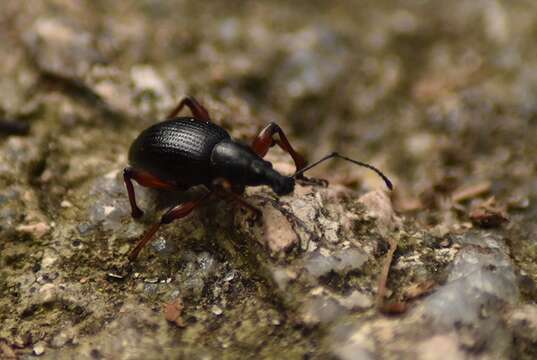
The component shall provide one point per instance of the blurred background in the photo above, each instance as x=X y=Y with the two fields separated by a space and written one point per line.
x=440 y=95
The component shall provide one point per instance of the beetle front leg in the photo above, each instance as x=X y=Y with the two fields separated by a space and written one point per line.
x=265 y=140
x=128 y=174
x=195 y=107
x=177 y=212
x=145 y=179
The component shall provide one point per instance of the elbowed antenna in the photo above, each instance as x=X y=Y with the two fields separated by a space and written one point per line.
x=335 y=154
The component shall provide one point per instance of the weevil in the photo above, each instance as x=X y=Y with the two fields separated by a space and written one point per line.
x=182 y=152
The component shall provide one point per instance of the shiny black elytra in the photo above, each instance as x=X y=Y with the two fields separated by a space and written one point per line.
x=182 y=152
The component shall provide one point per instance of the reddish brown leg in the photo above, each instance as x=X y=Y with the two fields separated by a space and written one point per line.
x=226 y=190
x=177 y=212
x=145 y=179
x=265 y=140
x=195 y=107
x=246 y=205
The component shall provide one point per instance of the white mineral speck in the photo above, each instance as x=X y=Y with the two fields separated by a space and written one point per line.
x=217 y=310
x=66 y=204
x=39 y=349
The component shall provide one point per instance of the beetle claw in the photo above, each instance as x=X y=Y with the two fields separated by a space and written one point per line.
x=305 y=181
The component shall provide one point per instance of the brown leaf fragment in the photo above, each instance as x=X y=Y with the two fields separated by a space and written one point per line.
x=409 y=204
x=419 y=289
x=489 y=214
x=173 y=312
x=471 y=192
x=393 y=308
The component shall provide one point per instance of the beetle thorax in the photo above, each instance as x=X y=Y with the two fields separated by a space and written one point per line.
x=241 y=166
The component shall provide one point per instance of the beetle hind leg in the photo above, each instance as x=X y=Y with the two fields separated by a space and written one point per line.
x=198 y=111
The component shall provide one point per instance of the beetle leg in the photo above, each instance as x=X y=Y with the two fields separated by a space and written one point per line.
x=195 y=107
x=239 y=200
x=177 y=212
x=127 y=177
x=265 y=140
x=145 y=179
x=224 y=188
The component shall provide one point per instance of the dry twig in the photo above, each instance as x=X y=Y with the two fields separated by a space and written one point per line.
x=471 y=192
x=390 y=308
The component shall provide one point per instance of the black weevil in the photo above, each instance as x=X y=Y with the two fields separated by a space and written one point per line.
x=182 y=152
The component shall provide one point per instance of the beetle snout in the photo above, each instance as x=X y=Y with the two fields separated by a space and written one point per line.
x=283 y=185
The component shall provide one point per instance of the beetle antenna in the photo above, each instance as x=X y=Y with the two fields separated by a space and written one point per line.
x=336 y=155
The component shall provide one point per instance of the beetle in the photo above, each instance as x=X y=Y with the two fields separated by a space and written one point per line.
x=181 y=152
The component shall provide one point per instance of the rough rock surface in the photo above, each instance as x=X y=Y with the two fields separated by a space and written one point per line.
x=440 y=95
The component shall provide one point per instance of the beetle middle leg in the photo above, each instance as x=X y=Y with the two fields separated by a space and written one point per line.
x=265 y=140
x=176 y=212
x=145 y=179
x=195 y=107
x=224 y=188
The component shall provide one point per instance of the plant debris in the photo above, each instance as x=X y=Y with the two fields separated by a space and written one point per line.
x=470 y=192
x=173 y=312
x=417 y=290
x=489 y=214
x=384 y=307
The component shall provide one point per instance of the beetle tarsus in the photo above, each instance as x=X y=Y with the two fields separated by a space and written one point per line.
x=137 y=213
x=302 y=180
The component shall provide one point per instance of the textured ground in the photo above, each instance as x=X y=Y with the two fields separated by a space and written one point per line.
x=440 y=95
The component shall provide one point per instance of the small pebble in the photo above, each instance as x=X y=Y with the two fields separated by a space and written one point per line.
x=217 y=310
x=66 y=204
x=113 y=276
x=229 y=276
x=39 y=349
x=38 y=229
x=124 y=249
x=108 y=210
x=48 y=292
